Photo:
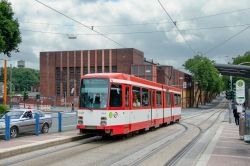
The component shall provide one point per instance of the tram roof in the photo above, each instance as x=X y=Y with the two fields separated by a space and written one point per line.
x=127 y=77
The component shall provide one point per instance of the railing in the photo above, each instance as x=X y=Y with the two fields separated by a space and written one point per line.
x=60 y=122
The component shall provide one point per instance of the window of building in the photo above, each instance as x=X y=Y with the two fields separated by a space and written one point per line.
x=78 y=78
x=141 y=70
x=114 y=69
x=158 y=98
x=71 y=80
x=135 y=70
x=106 y=69
x=115 y=95
x=58 y=81
x=145 y=98
x=136 y=91
x=64 y=81
x=92 y=69
x=127 y=97
x=85 y=70
x=168 y=99
x=148 y=70
x=99 y=69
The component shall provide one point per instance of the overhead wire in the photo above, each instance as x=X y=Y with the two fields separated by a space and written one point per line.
x=174 y=22
x=149 y=23
x=225 y=41
x=78 y=22
x=140 y=32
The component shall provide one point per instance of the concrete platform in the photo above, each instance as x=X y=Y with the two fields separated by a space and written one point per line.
x=226 y=149
x=32 y=142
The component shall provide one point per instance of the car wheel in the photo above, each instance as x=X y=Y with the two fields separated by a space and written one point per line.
x=13 y=132
x=45 y=128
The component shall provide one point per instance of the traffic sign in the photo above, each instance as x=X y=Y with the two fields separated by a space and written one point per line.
x=240 y=92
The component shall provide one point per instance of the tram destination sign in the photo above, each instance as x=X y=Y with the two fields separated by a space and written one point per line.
x=240 y=92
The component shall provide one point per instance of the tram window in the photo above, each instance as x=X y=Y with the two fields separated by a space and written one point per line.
x=115 y=95
x=145 y=100
x=177 y=99
x=136 y=96
x=127 y=97
x=158 y=98
x=168 y=99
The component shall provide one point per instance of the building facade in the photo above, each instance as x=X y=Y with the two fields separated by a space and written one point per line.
x=60 y=71
x=173 y=77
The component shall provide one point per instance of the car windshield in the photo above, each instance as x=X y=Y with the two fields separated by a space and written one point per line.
x=13 y=114
x=94 y=93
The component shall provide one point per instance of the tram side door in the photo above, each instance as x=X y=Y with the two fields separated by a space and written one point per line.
x=152 y=103
x=127 y=108
x=172 y=105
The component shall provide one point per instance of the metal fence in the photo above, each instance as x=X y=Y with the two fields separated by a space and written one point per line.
x=61 y=121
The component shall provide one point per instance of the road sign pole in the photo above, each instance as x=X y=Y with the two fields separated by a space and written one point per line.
x=230 y=101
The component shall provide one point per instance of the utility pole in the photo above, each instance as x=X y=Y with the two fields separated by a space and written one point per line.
x=5 y=83
x=10 y=85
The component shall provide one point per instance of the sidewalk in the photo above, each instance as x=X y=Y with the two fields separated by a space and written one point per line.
x=226 y=149
x=31 y=143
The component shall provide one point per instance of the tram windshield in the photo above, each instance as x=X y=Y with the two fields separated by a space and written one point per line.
x=94 y=93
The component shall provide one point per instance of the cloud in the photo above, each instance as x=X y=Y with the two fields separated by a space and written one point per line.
x=166 y=47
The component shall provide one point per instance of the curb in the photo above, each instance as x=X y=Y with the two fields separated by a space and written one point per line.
x=38 y=146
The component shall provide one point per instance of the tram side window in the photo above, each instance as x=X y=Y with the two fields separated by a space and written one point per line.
x=136 y=96
x=177 y=99
x=158 y=99
x=115 y=95
x=145 y=99
x=168 y=99
x=127 y=97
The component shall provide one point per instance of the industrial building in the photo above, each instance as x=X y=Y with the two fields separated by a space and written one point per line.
x=60 y=71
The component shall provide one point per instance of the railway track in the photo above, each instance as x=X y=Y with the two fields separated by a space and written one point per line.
x=143 y=152
x=186 y=149
x=151 y=150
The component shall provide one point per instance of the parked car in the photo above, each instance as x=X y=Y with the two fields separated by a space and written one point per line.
x=23 y=120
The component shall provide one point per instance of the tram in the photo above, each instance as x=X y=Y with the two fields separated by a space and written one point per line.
x=116 y=103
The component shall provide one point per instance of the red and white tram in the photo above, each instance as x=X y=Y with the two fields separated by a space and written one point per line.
x=115 y=103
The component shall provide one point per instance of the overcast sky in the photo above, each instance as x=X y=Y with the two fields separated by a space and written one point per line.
x=204 y=24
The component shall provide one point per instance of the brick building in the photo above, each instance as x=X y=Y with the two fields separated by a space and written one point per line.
x=170 y=76
x=60 y=71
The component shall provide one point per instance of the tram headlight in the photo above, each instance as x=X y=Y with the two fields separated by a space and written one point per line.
x=80 y=120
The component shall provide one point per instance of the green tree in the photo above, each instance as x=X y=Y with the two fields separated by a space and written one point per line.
x=10 y=35
x=22 y=78
x=206 y=76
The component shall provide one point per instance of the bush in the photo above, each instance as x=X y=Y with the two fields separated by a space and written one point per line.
x=2 y=109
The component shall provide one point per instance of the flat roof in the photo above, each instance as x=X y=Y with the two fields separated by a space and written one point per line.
x=233 y=70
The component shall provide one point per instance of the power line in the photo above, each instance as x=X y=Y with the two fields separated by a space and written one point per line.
x=176 y=27
x=78 y=22
x=228 y=39
x=149 y=23
x=140 y=32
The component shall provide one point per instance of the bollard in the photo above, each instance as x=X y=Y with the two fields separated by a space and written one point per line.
x=59 y=122
x=37 y=124
x=7 y=127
